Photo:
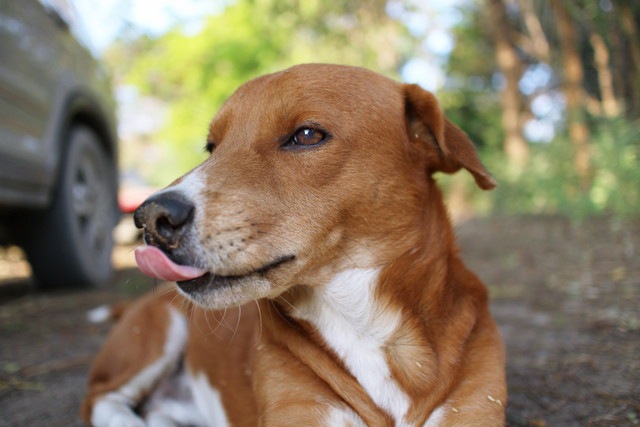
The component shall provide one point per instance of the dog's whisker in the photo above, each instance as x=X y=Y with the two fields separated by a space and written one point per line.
x=223 y=321
x=279 y=311
x=220 y=321
x=133 y=249
x=174 y=297
x=206 y=319
x=235 y=330
x=259 y=320
x=220 y=318
x=192 y=315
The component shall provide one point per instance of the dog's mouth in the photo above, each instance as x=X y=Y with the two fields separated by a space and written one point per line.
x=213 y=281
x=155 y=263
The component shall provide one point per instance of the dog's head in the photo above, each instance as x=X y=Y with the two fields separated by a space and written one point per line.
x=312 y=170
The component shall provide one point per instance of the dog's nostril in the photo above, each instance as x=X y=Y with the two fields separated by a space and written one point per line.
x=175 y=213
x=165 y=230
x=163 y=216
x=164 y=226
x=168 y=226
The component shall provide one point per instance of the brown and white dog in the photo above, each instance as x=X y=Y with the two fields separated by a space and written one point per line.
x=318 y=279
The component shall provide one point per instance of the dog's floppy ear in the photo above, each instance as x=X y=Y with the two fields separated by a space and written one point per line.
x=449 y=148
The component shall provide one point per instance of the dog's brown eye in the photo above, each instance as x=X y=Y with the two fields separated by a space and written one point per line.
x=308 y=136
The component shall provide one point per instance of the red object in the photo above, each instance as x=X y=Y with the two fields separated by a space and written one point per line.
x=129 y=198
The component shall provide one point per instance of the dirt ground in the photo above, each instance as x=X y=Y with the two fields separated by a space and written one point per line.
x=566 y=296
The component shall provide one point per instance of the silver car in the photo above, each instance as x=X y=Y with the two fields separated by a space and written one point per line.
x=58 y=150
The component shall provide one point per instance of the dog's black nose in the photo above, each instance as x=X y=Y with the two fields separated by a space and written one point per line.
x=164 y=217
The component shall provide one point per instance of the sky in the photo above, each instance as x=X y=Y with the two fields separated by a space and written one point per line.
x=105 y=19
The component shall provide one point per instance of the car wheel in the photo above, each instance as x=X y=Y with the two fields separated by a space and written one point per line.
x=70 y=243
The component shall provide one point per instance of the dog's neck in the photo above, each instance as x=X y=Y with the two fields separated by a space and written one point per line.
x=410 y=266
x=374 y=318
x=348 y=317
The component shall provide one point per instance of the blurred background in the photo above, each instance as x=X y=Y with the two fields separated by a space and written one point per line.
x=548 y=90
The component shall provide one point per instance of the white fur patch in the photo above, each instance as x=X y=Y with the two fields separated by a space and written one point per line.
x=343 y=417
x=436 y=417
x=357 y=328
x=191 y=186
x=208 y=401
x=115 y=408
x=172 y=404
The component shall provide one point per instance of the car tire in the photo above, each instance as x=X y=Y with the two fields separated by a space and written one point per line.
x=70 y=243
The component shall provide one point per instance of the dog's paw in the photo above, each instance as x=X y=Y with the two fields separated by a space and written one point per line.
x=113 y=411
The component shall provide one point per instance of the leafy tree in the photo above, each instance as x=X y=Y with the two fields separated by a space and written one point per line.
x=196 y=73
x=469 y=96
x=589 y=51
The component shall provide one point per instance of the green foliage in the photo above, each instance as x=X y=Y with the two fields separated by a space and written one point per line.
x=196 y=73
x=616 y=156
x=549 y=183
x=469 y=98
x=478 y=113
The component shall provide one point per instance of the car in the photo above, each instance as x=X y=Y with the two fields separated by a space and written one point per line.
x=58 y=146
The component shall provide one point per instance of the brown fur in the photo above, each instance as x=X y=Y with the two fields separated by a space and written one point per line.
x=367 y=196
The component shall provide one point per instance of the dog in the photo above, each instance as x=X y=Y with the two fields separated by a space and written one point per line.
x=318 y=280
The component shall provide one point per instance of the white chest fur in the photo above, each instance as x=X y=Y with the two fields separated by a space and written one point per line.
x=357 y=327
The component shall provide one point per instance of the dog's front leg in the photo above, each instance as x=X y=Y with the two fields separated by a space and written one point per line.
x=289 y=393
x=142 y=349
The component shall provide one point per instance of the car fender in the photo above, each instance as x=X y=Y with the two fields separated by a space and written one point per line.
x=76 y=104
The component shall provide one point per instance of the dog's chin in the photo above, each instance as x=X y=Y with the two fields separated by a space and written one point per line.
x=220 y=292
x=216 y=292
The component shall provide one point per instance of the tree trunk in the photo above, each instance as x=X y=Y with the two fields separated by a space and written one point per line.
x=619 y=60
x=609 y=102
x=630 y=31
x=573 y=77
x=509 y=63
x=539 y=42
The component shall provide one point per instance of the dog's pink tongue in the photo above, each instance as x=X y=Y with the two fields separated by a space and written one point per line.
x=153 y=262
